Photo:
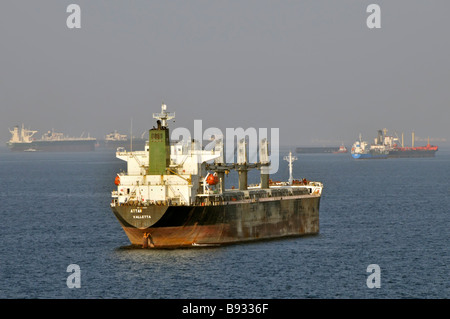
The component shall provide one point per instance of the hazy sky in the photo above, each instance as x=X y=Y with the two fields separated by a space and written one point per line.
x=311 y=68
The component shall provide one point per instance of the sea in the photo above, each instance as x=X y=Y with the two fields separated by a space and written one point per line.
x=382 y=221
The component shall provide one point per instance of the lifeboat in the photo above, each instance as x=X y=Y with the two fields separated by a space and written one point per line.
x=117 y=180
x=212 y=179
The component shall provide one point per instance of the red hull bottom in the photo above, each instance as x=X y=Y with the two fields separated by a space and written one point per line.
x=211 y=235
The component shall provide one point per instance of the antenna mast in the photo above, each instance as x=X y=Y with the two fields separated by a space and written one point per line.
x=290 y=159
x=164 y=116
x=131 y=138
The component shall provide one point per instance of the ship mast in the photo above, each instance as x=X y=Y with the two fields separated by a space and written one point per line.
x=290 y=159
x=164 y=116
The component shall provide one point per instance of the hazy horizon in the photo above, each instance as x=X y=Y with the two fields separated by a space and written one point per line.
x=313 y=69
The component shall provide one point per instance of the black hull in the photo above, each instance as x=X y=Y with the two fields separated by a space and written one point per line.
x=317 y=150
x=191 y=226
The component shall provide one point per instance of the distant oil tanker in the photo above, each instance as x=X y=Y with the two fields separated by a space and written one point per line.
x=22 y=140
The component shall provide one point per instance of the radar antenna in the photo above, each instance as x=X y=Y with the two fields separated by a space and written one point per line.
x=164 y=116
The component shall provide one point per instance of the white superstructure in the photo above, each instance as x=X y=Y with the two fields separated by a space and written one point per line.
x=21 y=135
x=116 y=136
x=185 y=178
x=179 y=188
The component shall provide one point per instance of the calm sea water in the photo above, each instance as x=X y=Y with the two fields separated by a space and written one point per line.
x=394 y=213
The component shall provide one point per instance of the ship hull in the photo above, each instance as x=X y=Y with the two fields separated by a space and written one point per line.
x=55 y=146
x=411 y=153
x=369 y=156
x=192 y=226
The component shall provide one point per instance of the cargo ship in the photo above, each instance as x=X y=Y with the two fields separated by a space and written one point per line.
x=114 y=140
x=173 y=195
x=363 y=150
x=22 y=140
x=396 y=151
x=386 y=146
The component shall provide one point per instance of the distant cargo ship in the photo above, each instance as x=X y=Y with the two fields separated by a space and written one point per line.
x=387 y=147
x=115 y=140
x=342 y=150
x=22 y=140
x=363 y=150
x=413 y=151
